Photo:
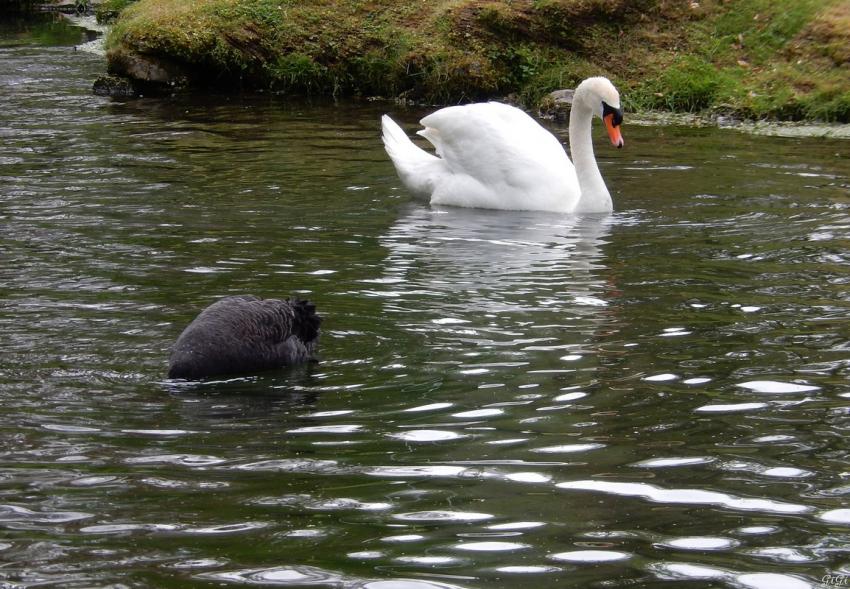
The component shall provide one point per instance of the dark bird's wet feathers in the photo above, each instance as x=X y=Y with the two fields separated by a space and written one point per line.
x=244 y=333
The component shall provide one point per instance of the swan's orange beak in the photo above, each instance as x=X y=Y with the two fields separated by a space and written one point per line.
x=613 y=130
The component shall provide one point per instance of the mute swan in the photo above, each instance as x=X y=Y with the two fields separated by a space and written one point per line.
x=494 y=156
x=245 y=334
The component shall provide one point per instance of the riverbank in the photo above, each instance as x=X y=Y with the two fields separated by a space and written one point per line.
x=752 y=59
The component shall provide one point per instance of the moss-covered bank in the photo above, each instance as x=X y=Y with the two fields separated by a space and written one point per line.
x=780 y=59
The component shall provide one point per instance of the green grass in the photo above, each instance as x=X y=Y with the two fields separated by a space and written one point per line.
x=780 y=59
x=108 y=10
x=762 y=27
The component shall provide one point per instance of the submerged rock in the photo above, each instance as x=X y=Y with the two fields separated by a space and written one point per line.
x=114 y=86
x=147 y=69
x=556 y=105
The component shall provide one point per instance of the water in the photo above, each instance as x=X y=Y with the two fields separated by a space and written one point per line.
x=655 y=399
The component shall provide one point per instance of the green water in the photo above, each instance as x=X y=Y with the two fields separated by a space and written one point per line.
x=657 y=398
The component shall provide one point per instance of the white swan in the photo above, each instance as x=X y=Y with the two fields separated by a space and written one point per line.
x=494 y=156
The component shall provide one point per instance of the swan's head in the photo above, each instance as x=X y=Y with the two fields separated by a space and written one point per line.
x=600 y=95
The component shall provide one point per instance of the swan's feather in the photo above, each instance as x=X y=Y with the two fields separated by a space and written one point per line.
x=245 y=334
x=492 y=156
x=418 y=170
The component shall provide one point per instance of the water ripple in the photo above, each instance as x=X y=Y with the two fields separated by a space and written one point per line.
x=492 y=546
x=590 y=556
x=688 y=353
x=426 y=435
x=191 y=460
x=442 y=516
x=699 y=543
x=290 y=576
x=775 y=387
x=691 y=572
x=690 y=496
x=16 y=513
x=420 y=471
x=567 y=448
x=291 y=465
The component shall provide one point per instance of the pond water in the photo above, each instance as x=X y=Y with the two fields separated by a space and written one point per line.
x=655 y=398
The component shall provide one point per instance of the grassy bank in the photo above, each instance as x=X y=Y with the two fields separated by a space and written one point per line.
x=778 y=59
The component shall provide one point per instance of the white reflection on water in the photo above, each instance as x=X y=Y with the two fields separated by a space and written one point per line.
x=758 y=530
x=493 y=546
x=836 y=516
x=308 y=576
x=476 y=263
x=528 y=569
x=568 y=448
x=516 y=526
x=419 y=471
x=427 y=435
x=304 y=501
x=569 y=397
x=699 y=543
x=327 y=429
x=528 y=477
x=730 y=407
x=661 y=377
x=776 y=387
x=673 y=461
x=427 y=560
x=403 y=538
x=429 y=407
x=476 y=413
x=442 y=516
x=590 y=556
x=780 y=554
x=695 y=496
x=194 y=460
x=690 y=572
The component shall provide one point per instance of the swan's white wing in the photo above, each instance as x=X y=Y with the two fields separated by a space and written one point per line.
x=499 y=157
x=418 y=170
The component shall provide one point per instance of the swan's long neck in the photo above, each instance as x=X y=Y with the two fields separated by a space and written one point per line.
x=595 y=197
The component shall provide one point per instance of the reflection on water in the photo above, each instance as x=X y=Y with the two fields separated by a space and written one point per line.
x=486 y=277
x=490 y=258
x=652 y=398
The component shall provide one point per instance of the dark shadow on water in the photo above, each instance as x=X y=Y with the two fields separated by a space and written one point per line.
x=248 y=396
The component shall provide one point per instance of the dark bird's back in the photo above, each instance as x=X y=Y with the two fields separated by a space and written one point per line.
x=244 y=333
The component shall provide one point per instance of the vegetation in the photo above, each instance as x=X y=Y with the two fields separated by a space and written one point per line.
x=778 y=59
x=108 y=10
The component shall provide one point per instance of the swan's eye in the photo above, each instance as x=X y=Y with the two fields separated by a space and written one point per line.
x=617 y=114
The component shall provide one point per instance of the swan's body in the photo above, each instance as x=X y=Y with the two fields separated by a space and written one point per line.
x=244 y=333
x=491 y=155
